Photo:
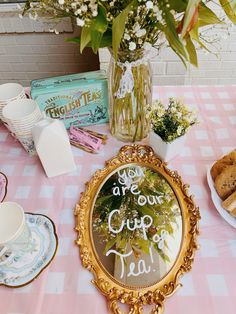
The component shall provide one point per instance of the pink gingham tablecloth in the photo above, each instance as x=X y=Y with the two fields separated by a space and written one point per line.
x=64 y=287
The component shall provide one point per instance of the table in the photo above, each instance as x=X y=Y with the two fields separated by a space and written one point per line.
x=64 y=287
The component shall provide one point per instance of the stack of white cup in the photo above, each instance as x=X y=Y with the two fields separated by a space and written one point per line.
x=20 y=116
x=10 y=92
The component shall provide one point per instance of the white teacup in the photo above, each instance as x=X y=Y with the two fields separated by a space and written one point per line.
x=15 y=235
x=20 y=116
x=10 y=91
x=21 y=110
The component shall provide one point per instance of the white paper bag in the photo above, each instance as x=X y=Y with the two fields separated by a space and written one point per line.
x=53 y=147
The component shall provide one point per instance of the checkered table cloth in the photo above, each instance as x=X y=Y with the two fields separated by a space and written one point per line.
x=64 y=287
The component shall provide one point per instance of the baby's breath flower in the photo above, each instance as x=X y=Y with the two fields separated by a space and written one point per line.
x=132 y=46
x=172 y=121
x=79 y=22
x=149 y=4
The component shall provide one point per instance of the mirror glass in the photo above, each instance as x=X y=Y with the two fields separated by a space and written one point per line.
x=136 y=225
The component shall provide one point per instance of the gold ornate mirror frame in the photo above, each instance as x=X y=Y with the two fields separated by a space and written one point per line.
x=114 y=291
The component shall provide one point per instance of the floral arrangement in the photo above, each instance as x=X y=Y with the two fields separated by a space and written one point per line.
x=171 y=122
x=131 y=25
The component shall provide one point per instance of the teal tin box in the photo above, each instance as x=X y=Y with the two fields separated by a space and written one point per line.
x=76 y=99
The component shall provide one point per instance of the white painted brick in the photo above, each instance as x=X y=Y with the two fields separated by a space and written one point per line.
x=175 y=68
x=232 y=46
x=167 y=54
x=228 y=65
x=227 y=81
x=104 y=55
x=229 y=56
x=207 y=65
x=204 y=81
x=168 y=80
x=158 y=68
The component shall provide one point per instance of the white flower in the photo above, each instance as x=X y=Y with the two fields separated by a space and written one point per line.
x=132 y=46
x=61 y=2
x=147 y=46
x=141 y=32
x=140 y=41
x=179 y=130
x=179 y=115
x=126 y=36
x=149 y=4
x=95 y=13
x=136 y=28
x=84 y=8
x=77 y=12
x=79 y=22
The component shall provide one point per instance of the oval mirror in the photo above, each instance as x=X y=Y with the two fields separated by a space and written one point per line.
x=136 y=229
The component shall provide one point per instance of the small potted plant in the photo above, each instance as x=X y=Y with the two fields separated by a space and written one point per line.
x=169 y=126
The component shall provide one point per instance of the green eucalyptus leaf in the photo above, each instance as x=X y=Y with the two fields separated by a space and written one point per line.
x=98 y=28
x=96 y=38
x=143 y=244
x=191 y=51
x=100 y=23
x=171 y=35
x=178 y=5
x=73 y=40
x=85 y=38
x=118 y=26
x=207 y=16
x=109 y=245
x=189 y=14
x=194 y=34
x=229 y=6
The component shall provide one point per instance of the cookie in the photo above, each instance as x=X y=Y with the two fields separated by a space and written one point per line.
x=225 y=182
x=230 y=204
x=221 y=164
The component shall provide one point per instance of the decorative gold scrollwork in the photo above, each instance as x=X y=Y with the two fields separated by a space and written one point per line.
x=114 y=291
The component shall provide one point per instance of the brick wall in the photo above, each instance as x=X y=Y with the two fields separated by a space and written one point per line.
x=29 y=51
x=169 y=70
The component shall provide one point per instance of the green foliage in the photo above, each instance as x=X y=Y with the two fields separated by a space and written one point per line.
x=191 y=51
x=175 y=120
x=164 y=215
x=132 y=25
x=171 y=35
x=189 y=15
x=118 y=26
x=207 y=16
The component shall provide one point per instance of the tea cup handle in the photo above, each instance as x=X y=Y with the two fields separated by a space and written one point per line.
x=8 y=259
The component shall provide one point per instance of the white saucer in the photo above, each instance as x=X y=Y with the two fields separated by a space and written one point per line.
x=44 y=242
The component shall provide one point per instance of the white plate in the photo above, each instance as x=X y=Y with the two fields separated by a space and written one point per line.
x=217 y=201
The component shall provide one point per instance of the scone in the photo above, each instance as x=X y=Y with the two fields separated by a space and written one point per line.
x=222 y=163
x=230 y=204
x=225 y=182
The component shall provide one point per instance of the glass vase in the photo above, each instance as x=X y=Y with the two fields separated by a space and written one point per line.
x=130 y=93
